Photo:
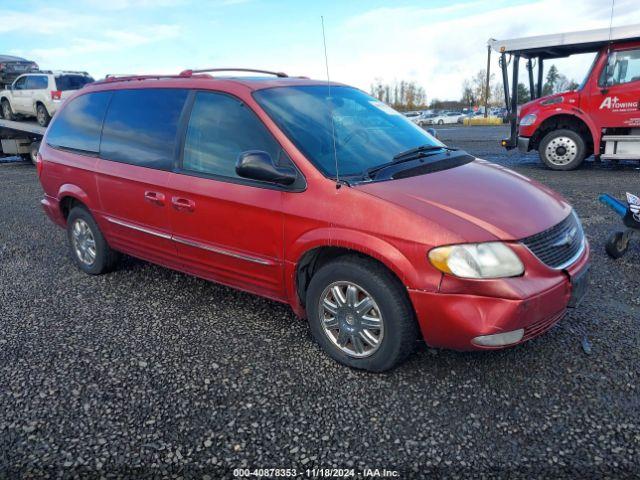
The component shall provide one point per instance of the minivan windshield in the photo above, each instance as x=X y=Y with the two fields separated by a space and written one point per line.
x=368 y=133
x=72 y=82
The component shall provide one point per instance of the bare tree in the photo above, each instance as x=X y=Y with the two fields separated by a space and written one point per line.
x=403 y=95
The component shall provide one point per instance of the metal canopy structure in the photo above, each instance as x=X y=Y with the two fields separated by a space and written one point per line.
x=560 y=45
x=543 y=47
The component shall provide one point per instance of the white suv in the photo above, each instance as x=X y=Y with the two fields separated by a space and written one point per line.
x=39 y=94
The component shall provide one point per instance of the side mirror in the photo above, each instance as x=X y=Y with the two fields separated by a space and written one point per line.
x=609 y=69
x=432 y=132
x=258 y=165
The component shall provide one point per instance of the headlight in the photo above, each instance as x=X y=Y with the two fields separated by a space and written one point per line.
x=528 y=120
x=477 y=260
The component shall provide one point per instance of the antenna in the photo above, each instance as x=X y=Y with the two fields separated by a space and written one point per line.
x=613 y=3
x=333 y=129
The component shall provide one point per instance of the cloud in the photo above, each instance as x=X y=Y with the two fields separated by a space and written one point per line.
x=106 y=41
x=132 y=4
x=440 y=47
x=46 y=21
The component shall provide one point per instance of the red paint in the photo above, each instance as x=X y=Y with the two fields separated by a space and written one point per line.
x=211 y=228
x=593 y=104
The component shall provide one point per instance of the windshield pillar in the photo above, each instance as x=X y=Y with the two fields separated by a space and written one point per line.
x=540 y=76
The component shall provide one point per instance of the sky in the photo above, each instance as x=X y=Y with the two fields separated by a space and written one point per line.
x=435 y=43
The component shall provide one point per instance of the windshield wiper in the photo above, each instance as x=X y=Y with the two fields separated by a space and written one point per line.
x=423 y=148
x=406 y=156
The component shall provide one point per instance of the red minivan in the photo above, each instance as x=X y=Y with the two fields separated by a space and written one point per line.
x=319 y=196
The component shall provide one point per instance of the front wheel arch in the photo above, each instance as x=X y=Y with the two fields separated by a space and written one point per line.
x=314 y=259
x=566 y=122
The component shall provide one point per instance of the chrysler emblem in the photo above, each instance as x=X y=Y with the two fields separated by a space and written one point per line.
x=565 y=239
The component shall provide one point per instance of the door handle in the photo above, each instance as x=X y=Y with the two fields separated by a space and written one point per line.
x=154 y=197
x=183 y=204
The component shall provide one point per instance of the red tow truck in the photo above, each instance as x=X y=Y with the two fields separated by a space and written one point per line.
x=601 y=117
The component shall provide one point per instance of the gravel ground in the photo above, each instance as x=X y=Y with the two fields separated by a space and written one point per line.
x=149 y=372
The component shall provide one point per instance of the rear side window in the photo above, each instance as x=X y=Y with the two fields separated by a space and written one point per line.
x=77 y=126
x=220 y=128
x=141 y=127
x=72 y=82
x=37 y=82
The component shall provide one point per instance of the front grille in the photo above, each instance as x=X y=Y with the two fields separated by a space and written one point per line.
x=560 y=244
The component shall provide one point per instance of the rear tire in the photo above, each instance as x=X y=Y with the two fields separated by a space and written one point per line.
x=33 y=152
x=87 y=245
x=562 y=149
x=616 y=245
x=42 y=115
x=350 y=335
x=7 y=112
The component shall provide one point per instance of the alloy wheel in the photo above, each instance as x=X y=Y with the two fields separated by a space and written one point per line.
x=351 y=319
x=84 y=243
x=40 y=114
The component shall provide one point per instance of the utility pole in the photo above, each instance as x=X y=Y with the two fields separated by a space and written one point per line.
x=486 y=90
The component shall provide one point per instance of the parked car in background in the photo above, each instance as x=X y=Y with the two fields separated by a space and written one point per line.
x=468 y=114
x=39 y=94
x=419 y=241
x=11 y=67
x=426 y=119
x=446 y=117
x=413 y=116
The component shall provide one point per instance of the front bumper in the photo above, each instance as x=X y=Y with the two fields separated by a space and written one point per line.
x=523 y=144
x=454 y=320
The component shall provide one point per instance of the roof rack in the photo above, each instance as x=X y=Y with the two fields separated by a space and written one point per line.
x=57 y=72
x=111 y=78
x=61 y=72
x=188 y=73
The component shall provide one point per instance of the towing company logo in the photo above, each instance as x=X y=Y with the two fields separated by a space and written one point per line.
x=614 y=104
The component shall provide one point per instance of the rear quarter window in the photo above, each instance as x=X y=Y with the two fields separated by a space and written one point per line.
x=141 y=127
x=72 y=82
x=77 y=126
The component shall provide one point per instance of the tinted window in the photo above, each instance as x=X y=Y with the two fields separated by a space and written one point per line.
x=77 y=126
x=141 y=127
x=220 y=128
x=72 y=82
x=37 y=82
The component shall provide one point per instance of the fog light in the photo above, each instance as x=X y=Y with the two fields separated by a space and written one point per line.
x=499 y=339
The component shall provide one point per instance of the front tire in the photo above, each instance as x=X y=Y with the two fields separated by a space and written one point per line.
x=562 y=149
x=7 y=112
x=42 y=115
x=87 y=245
x=360 y=314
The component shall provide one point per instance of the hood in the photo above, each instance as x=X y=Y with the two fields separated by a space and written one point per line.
x=570 y=98
x=478 y=196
